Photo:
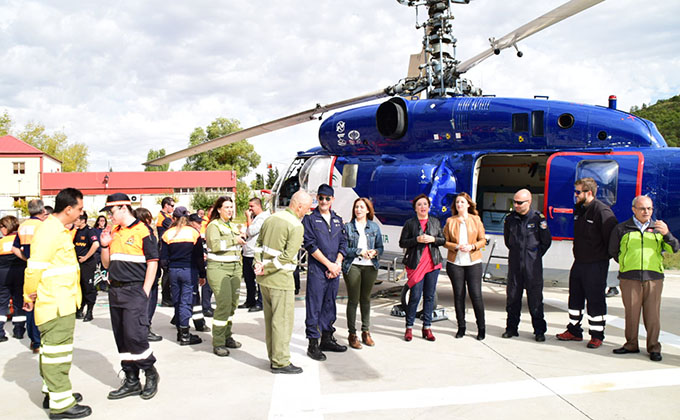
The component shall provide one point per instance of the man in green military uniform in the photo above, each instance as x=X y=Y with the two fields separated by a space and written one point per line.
x=52 y=288
x=275 y=260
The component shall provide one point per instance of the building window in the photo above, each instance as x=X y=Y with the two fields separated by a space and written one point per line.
x=19 y=167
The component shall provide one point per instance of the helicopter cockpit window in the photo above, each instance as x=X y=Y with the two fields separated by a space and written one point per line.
x=349 y=175
x=520 y=122
x=605 y=173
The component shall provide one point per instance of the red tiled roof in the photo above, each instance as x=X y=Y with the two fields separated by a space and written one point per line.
x=91 y=183
x=11 y=146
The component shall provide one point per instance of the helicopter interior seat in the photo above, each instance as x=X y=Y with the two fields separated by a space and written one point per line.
x=289 y=187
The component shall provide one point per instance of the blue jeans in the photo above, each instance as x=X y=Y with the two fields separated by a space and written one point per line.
x=427 y=287
x=182 y=294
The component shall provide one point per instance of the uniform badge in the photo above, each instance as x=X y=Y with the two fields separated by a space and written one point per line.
x=544 y=224
x=130 y=241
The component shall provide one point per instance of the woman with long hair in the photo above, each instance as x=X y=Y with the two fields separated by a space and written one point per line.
x=182 y=253
x=224 y=272
x=11 y=278
x=144 y=215
x=360 y=268
x=465 y=237
x=421 y=236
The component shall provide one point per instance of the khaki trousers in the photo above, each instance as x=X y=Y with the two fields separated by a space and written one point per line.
x=646 y=296
x=279 y=313
x=224 y=279
x=56 y=353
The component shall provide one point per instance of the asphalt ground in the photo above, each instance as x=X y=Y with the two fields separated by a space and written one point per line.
x=449 y=378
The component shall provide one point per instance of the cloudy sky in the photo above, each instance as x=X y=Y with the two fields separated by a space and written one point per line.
x=124 y=76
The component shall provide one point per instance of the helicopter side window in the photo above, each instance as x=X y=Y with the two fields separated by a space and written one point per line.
x=605 y=173
x=349 y=175
x=520 y=123
x=537 y=129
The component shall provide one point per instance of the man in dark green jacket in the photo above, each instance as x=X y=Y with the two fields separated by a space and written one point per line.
x=638 y=245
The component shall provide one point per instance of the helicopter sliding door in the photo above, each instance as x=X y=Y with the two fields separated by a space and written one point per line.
x=618 y=176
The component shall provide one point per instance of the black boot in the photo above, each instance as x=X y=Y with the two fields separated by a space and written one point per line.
x=131 y=386
x=186 y=339
x=481 y=333
x=151 y=385
x=88 y=315
x=314 y=351
x=328 y=343
x=76 y=412
x=79 y=313
x=461 y=332
x=199 y=324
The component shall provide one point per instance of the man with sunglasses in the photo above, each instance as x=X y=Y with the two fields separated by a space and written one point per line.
x=593 y=225
x=528 y=238
x=638 y=245
x=326 y=244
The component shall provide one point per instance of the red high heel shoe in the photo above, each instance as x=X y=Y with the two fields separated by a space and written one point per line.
x=408 y=336
x=427 y=334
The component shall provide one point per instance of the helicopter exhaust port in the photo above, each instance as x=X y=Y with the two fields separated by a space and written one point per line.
x=392 y=118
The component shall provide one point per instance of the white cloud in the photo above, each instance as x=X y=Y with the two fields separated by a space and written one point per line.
x=127 y=76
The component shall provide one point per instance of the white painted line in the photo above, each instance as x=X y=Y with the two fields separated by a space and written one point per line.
x=614 y=321
x=506 y=391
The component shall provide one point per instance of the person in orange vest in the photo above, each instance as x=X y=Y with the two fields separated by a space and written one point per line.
x=163 y=222
x=22 y=249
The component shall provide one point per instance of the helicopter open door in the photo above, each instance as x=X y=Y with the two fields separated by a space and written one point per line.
x=618 y=176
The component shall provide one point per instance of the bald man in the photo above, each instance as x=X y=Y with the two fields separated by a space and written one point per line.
x=528 y=238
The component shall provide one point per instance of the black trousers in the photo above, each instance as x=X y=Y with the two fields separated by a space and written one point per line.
x=587 y=283
x=467 y=277
x=166 y=294
x=513 y=305
x=253 y=294
x=87 y=270
x=128 y=306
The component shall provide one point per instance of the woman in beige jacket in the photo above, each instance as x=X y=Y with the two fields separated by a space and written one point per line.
x=464 y=233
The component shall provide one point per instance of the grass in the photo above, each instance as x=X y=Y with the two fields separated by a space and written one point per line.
x=671 y=261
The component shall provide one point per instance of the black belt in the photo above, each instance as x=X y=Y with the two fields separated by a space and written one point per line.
x=115 y=283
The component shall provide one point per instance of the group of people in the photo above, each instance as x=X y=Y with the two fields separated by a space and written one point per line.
x=55 y=286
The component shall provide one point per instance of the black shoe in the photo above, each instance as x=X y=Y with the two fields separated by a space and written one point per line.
x=221 y=351
x=75 y=412
x=203 y=328
x=208 y=313
x=244 y=306
x=46 y=400
x=3 y=338
x=623 y=350
x=481 y=334
x=509 y=334
x=88 y=317
x=290 y=369
x=18 y=334
x=167 y=304
x=151 y=385
x=187 y=339
x=314 y=351
x=232 y=344
x=460 y=333
x=255 y=308
x=328 y=343
x=655 y=356
x=540 y=337
x=152 y=336
x=79 y=314
x=611 y=292
x=131 y=386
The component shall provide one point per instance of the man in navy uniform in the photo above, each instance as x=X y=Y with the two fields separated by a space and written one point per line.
x=86 y=243
x=326 y=245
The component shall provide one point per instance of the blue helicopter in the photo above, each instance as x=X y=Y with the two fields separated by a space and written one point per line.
x=439 y=135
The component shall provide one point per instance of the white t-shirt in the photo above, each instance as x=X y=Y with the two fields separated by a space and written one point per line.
x=362 y=245
x=463 y=258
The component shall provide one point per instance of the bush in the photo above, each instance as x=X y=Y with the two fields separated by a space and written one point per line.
x=21 y=205
x=671 y=261
x=203 y=200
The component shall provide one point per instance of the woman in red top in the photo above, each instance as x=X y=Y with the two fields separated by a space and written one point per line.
x=421 y=236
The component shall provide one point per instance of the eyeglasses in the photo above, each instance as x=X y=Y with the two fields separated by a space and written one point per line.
x=519 y=203
x=644 y=208
x=322 y=198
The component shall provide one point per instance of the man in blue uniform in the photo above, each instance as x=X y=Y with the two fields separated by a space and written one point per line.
x=86 y=242
x=528 y=239
x=326 y=245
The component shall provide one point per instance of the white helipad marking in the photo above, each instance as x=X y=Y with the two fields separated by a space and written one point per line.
x=614 y=321
x=505 y=391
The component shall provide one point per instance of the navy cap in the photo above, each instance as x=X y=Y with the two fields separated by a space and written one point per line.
x=325 y=189
x=116 y=199
x=194 y=217
x=180 y=211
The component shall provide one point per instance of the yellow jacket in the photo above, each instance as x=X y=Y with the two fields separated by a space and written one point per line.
x=53 y=272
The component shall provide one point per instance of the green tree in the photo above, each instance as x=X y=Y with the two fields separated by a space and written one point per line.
x=203 y=200
x=258 y=182
x=5 y=124
x=239 y=156
x=155 y=154
x=73 y=156
x=666 y=115
x=272 y=175
x=242 y=197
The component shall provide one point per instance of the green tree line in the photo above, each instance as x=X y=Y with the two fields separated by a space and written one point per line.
x=666 y=115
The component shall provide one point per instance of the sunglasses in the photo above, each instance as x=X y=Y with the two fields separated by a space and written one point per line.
x=322 y=198
x=519 y=203
x=578 y=192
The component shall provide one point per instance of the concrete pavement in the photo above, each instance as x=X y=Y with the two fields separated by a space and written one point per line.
x=461 y=378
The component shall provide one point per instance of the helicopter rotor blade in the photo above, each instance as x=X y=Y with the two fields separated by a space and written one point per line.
x=552 y=17
x=265 y=128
